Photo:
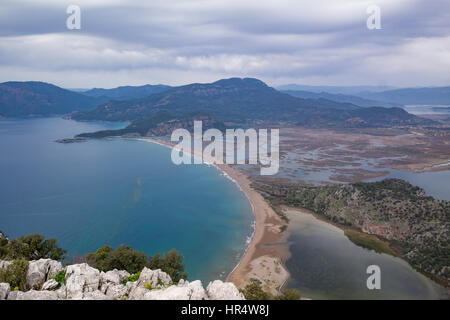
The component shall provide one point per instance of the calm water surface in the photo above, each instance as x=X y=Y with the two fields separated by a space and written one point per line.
x=118 y=191
x=325 y=264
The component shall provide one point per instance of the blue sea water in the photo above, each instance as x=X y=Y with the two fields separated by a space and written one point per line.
x=116 y=191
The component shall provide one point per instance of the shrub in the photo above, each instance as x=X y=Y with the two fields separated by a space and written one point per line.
x=171 y=263
x=132 y=278
x=60 y=278
x=123 y=258
x=254 y=291
x=148 y=285
x=15 y=274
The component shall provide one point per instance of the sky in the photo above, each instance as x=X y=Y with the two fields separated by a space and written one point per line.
x=174 y=42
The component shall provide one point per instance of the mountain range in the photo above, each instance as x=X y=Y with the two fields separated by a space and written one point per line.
x=248 y=102
x=240 y=101
x=126 y=92
x=339 y=97
x=32 y=98
x=436 y=95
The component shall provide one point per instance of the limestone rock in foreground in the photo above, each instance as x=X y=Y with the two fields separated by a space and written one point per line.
x=39 y=271
x=218 y=290
x=80 y=279
x=4 y=290
x=84 y=282
x=36 y=295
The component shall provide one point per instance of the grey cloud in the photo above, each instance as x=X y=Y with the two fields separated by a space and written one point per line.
x=316 y=41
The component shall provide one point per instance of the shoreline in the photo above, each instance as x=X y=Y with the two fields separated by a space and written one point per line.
x=263 y=257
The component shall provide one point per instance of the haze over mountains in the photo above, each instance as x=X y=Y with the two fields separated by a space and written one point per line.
x=339 y=97
x=245 y=101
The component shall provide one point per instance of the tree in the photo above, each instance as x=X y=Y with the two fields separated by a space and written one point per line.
x=171 y=263
x=123 y=258
x=31 y=247
x=254 y=291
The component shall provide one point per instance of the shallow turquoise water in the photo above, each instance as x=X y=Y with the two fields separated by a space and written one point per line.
x=118 y=191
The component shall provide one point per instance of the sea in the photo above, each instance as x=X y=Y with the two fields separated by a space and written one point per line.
x=118 y=191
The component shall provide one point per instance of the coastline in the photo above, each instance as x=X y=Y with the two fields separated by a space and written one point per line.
x=264 y=255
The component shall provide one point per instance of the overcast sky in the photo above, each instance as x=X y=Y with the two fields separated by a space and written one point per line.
x=315 y=42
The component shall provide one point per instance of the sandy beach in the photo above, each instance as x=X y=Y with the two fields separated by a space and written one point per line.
x=263 y=258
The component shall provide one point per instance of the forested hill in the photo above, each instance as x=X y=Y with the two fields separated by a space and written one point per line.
x=251 y=101
x=21 y=99
x=416 y=225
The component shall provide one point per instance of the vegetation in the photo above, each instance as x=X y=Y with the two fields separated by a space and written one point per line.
x=416 y=226
x=35 y=246
x=31 y=247
x=250 y=102
x=171 y=263
x=368 y=241
x=15 y=274
x=60 y=278
x=125 y=258
x=132 y=278
x=254 y=291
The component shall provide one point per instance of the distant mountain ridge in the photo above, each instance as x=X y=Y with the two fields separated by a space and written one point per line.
x=33 y=98
x=250 y=101
x=435 y=95
x=347 y=90
x=126 y=92
x=339 y=97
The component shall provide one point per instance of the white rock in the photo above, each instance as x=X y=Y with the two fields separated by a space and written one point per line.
x=62 y=292
x=116 y=291
x=95 y=295
x=152 y=276
x=37 y=295
x=115 y=276
x=137 y=289
x=13 y=295
x=198 y=292
x=4 y=264
x=4 y=290
x=50 y=284
x=41 y=270
x=171 y=293
x=191 y=291
x=136 y=292
x=218 y=290
x=81 y=278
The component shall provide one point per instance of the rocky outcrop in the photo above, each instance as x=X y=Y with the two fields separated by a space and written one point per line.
x=218 y=290
x=81 y=279
x=4 y=290
x=39 y=271
x=83 y=282
x=37 y=295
